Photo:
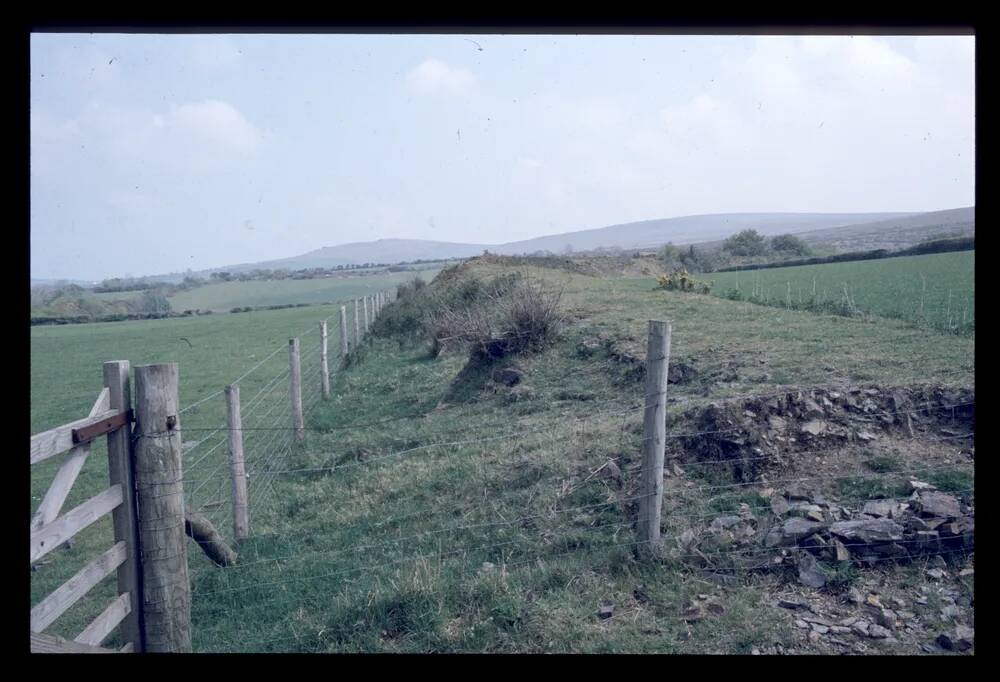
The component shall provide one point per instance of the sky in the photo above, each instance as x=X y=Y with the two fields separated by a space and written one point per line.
x=161 y=153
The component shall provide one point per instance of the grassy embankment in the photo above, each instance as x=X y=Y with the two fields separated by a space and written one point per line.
x=377 y=541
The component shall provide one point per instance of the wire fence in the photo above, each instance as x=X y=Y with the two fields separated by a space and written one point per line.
x=267 y=432
x=387 y=524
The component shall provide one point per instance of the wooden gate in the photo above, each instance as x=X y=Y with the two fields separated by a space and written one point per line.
x=110 y=416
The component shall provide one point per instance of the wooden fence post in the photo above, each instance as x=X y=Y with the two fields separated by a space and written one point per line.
x=166 y=607
x=343 y=332
x=357 y=325
x=654 y=436
x=365 y=300
x=120 y=467
x=234 y=422
x=295 y=388
x=324 y=363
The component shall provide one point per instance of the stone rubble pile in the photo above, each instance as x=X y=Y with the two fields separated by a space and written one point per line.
x=752 y=430
x=803 y=527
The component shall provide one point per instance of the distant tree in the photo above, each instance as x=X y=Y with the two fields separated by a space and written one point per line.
x=222 y=276
x=701 y=260
x=789 y=243
x=670 y=255
x=151 y=301
x=746 y=243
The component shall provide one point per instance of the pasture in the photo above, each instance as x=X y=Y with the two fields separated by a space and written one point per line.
x=224 y=296
x=937 y=290
x=410 y=523
x=414 y=522
x=212 y=351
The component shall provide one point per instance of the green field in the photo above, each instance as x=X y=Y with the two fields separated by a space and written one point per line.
x=66 y=376
x=386 y=553
x=224 y=296
x=936 y=289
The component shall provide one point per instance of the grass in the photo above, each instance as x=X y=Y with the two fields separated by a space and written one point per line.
x=936 y=290
x=401 y=525
x=866 y=487
x=227 y=295
x=386 y=553
x=883 y=463
x=66 y=376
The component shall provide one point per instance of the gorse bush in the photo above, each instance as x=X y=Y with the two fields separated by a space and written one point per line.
x=681 y=280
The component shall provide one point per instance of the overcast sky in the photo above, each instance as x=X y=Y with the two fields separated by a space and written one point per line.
x=158 y=153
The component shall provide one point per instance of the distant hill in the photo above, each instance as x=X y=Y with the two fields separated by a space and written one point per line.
x=839 y=231
x=897 y=233
x=689 y=230
x=685 y=229
x=379 y=251
x=892 y=233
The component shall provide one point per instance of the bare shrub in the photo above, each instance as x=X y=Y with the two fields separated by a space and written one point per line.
x=514 y=314
x=530 y=316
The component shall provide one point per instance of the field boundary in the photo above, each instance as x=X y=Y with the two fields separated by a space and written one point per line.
x=946 y=246
x=146 y=497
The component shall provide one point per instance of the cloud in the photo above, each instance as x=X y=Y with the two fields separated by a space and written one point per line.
x=211 y=122
x=200 y=136
x=187 y=144
x=434 y=77
x=800 y=113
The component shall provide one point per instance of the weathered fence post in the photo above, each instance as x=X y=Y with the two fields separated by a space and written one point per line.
x=357 y=325
x=654 y=435
x=166 y=607
x=343 y=332
x=365 y=300
x=234 y=422
x=295 y=388
x=126 y=522
x=324 y=364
